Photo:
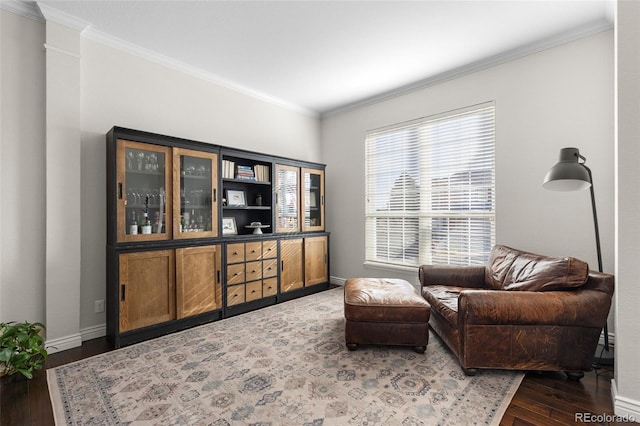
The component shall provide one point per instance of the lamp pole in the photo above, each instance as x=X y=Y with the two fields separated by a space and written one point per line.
x=599 y=251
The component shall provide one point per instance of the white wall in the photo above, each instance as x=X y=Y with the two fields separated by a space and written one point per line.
x=546 y=101
x=22 y=169
x=626 y=388
x=116 y=88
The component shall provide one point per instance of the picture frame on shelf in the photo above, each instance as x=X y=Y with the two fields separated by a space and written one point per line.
x=229 y=226
x=236 y=198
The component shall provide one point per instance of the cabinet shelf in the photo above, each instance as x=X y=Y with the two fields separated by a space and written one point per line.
x=249 y=181
x=196 y=177
x=146 y=172
x=247 y=208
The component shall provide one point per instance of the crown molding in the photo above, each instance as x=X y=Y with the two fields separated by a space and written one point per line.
x=489 y=62
x=27 y=9
x=62 y=18
x=133 y=49
x=45 y=12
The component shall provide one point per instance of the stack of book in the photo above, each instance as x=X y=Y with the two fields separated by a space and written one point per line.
x=228 y=169
x=261 y=173
x=245 y=173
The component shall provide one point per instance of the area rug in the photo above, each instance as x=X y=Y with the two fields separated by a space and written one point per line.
x=282 y=365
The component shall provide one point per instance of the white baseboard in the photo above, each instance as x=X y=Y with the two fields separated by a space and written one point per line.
x=627 y=410
x=94 y=332
x=75 y=340
x=337 y=281
x=63 y=343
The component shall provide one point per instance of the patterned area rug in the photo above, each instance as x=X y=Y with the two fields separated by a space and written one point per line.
x=282 y=365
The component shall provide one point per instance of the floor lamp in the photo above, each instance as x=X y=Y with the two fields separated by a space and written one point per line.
x=571 y=174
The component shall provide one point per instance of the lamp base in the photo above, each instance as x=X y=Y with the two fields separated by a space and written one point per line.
x=603 y=357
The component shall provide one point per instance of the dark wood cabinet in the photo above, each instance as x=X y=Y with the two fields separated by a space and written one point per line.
x=197 y=232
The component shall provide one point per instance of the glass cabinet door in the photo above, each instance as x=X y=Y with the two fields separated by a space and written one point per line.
x=313 y=199
x=287 y=201
x=143 y=191
x=195 y=190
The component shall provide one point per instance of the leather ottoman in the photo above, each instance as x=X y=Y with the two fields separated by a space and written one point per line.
x=385 y=312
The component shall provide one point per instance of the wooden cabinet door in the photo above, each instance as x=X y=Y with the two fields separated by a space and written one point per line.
x=147 y=288
x=312 y=199
x=291 y=264
x=287 y=198
x=143 y=187
x=315 y=261
x=198 y=286
x=195 y=189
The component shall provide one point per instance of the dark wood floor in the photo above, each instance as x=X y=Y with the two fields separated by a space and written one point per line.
x=542 y=399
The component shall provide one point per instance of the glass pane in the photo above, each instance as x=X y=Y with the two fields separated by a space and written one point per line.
x=195 y=194
x=288 y=199
x=145 y=192
x=312 y=213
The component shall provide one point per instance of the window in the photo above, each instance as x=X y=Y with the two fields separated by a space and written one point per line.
x=430 y=190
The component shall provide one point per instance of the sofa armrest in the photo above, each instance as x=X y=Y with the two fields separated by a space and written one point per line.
x=459 y=276
x=581 y=308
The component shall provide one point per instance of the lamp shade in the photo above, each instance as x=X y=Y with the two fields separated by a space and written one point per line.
x=568 y=174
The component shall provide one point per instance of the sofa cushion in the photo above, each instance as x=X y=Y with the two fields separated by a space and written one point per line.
x=444 y=300
x=510 y=269
x=500 y=261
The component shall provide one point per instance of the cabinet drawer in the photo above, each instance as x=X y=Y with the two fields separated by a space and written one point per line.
x=253 y=251
x=235 y=253
x=235 y=274
x=269 y=287
x=270 y=268
x=235 y=295
x=253 y=271
x=254 y=291
x=269 y=249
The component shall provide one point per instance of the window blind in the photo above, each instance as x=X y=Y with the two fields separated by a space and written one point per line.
x=430 y=189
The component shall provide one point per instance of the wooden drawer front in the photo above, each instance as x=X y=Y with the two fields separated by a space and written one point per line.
x=269 y=287
x=235 y=253
x=235 y=295
x=253 y=251
x=253 y=271
x=235 y=274
x=269 y=249
x=270 y=268
x=254 y=291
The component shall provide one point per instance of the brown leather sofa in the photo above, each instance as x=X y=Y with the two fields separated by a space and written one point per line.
x=521 y=311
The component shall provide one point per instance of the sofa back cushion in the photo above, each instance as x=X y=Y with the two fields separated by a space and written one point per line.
x=511 y=269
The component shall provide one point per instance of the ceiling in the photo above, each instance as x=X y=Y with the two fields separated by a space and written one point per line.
x=322 y=56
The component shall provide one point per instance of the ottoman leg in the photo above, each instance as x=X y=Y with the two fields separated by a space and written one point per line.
x=352 y=346
x=420 y=349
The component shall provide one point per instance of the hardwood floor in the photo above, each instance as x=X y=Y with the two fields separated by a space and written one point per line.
x=542 y=399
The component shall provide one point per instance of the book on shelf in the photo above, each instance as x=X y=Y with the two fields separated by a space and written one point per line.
x=261 y=173
x=245 y=173
x=228 y=169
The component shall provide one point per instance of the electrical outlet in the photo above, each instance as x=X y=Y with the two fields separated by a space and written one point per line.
x=99 y=306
